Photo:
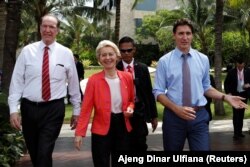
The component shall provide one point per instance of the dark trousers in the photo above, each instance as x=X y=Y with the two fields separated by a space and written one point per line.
x=116 y=140
x=138 y=135
x=41 y=123
x=177 y=130
x=238 y=116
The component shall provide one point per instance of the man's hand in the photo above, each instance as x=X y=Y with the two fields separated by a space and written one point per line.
x=78 y=142
x=236 y=101
x=184 y=112
x=73 y=121
x=246 y=86
x=154 y=124
x=15 y=121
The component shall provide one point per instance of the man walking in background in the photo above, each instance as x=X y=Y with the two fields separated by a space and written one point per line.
x=145 y=105
x=237 y=83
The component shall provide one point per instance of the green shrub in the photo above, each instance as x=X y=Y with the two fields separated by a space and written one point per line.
x=12 y=144
x=86 y=63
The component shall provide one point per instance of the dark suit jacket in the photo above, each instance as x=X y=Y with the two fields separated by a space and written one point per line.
x=146 y=106
x=209 y=100
x=231 y=81
x=80 y=70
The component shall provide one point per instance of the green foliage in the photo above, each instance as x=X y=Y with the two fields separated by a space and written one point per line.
x=89 y=55
x=3 y=98
x=86 y=63
x=12 y=143
x=234 y=44
x=159 y=27
x=163 y=34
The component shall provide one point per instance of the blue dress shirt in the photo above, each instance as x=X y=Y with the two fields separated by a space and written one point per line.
x=168 y=77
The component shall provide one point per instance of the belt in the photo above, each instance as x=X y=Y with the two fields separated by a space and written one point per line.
x=198 y=108
x=41 y=103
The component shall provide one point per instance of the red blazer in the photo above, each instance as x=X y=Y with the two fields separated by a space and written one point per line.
x=97 y=96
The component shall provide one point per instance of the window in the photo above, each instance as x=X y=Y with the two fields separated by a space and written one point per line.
x=146 y=5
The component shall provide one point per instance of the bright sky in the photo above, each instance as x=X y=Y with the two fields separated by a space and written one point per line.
x=89 y=3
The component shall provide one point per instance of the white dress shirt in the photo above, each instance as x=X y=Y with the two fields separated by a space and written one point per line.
x=240 y=80
x=26 y=79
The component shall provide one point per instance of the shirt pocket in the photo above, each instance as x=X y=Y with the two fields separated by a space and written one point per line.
x=59 y=72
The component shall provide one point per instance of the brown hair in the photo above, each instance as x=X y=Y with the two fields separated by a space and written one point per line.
x=182 y=22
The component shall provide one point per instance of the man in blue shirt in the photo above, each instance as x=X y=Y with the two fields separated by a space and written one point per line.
x=186 y=117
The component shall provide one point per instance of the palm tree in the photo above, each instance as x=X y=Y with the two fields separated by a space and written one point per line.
x=62 y=8
x=11 y=40
x=75 y=29
x=117 y=21
x=202 y=14
x=117 y=17
x=219 y=108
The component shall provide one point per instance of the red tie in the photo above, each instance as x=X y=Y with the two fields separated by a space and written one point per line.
x=129 y=69
x=45 y=76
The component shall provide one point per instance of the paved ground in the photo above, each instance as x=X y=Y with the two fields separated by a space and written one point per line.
x=66 y=156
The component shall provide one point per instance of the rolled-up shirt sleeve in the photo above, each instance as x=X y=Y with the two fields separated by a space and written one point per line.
x=160 y=82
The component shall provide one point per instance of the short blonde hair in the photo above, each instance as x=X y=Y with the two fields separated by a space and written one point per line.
x=107 y=43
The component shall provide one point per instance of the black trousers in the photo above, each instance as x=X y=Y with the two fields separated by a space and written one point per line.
x=238 y=116
x=138 y=135
x=115 y=141
x=41 y=123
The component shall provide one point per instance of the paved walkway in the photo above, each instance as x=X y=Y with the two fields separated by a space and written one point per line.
x=65 y=155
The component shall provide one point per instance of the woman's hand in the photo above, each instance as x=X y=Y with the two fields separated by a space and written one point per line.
x=129 y=112
x=78 y=142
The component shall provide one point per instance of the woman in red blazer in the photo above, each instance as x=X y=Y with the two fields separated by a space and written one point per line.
x=111 y=94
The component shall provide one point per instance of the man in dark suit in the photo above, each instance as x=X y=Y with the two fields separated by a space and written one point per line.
x=80 y=74
x=80 y=70
x=209 y=100
x=237 y=83
x=145 y=105
x=79 y=67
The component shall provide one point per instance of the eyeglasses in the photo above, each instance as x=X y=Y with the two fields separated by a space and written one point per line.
x=126 y=50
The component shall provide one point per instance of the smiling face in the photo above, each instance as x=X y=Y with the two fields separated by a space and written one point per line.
x=108 y=58
x=49 y=29
x=183 y=38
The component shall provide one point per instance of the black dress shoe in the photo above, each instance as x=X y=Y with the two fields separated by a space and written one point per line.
x=241 y=135
x=236 y=137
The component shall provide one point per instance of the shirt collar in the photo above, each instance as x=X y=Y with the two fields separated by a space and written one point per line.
x=126 y=64
x=179 y=53
x=51 y=46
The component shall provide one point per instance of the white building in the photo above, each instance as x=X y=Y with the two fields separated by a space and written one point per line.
x=130 y=19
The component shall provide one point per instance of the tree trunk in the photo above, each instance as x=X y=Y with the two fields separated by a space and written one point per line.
x=218 y=106
x=2 y=30
x=117 y=21
x=11 y=41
